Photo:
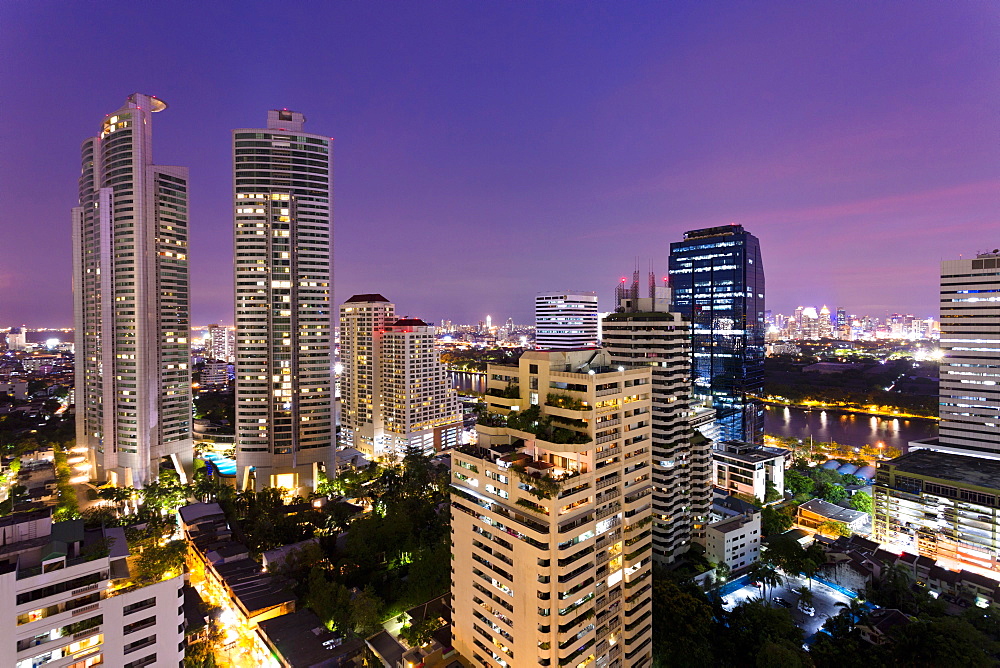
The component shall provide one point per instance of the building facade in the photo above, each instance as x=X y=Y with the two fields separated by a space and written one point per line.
x=221 y=343
x=70 y=606
x=395 y=394
x=283 y=217
x=940 y=505
x=551 y=511
x=746 y=468
x=131 y=302
x=969 y=390
x=566 y=320
x=717 y=282
x=734 y=541
x=644 y=333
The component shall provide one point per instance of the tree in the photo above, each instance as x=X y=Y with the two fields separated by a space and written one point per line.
x=949 y=642
x=771 y=492
x=767 y=575
x=774 y=522
x=862 y=502
x=834 y=528
x=421 y=632
x=688 y=639
x=366 y=612
x=797 y=483
x=330 y=601
x=832 y=492
x=750 y=630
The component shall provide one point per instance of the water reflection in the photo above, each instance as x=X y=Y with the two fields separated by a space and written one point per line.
x=847 y=428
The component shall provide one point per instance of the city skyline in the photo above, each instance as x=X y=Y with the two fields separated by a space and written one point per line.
x=855 y=166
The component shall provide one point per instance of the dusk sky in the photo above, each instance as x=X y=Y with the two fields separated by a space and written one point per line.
x=486 y=151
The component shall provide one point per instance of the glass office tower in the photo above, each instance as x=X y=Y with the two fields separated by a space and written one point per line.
x=717 y=279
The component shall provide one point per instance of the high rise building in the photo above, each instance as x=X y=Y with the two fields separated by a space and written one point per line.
x=824 y=328
x=17 y=338
x=131 y=302
x=282 y=199
x=644 y=333
x=395 y=394
x=221 y=343
x=717 y=278
x=969 y=391
x=550 y=516
x=565 y=320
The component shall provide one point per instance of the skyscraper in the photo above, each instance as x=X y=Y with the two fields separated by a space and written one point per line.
x=565 y=320
x=969 y=392
x=221 y=343
x=644 y=333
x=550 y=517
x=131 y=302
x=282 y=201
x=717 y=278
x=395 y=395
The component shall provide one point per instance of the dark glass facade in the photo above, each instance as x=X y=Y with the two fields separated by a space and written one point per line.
x=717 y=279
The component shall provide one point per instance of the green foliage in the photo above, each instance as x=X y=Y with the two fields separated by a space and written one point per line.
x=421 y=632
x=771 y=492
x=774 y=522
x=834 y=528
x=216 y=406
x=862 y=502
x=152 y=557
x=798 y=483
x=689 y=637
x=67 y=508
x=366 y=612
x=565 y=401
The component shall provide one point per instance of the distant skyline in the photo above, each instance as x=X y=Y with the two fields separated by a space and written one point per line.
x=487 y=152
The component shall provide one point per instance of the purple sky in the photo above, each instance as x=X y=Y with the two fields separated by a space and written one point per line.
x=486 y=151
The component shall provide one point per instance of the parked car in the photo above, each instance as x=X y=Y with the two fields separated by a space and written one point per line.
x=782 y=602
x=806 y=609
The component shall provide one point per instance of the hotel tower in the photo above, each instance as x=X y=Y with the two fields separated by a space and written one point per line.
x=131 y=302
x=282 y=210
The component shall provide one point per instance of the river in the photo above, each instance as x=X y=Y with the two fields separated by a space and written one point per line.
x=848 y=428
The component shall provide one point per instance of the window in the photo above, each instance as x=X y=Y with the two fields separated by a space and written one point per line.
x=140 y=663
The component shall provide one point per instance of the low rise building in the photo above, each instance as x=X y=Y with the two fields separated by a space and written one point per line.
x=71 y=601
x=816 y=512
x=734 y=541
x=745 y=468
x=940 y=505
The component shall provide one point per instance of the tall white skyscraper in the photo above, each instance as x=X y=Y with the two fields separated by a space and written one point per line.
x=131 y=302
x=565 y=320
x=396 y=396
x=221 y=343
x=282 y=199
x=969 y=391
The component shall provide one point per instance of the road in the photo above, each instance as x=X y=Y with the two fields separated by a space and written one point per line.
x=825 y=601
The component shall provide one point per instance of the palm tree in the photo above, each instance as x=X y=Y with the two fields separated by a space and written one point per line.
x=855 y=611
x=768 y=575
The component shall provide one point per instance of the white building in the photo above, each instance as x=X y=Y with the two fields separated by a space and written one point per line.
x=969 y=392
x=566 y=320
x=395 y=394
x=220 y=344
x=745 y=468
x=17 y=338
x=282 y=199
x=131 y=302
x=734 y=541
x=215 y=373
x=70 y=605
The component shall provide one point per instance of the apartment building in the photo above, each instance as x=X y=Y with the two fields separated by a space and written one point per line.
x=566 y=320
x=745 y=468
x=395 y=394
x=552 y=556
x=734 y=541
x=131 y=302
x=283 y=222
x=643 y=332
x=71 y=603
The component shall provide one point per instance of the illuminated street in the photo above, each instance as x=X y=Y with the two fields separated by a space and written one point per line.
x=825 y=600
